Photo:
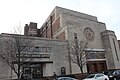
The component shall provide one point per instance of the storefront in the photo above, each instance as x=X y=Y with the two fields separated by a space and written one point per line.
x=33 y=70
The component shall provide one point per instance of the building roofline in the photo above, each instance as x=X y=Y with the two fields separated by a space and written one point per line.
x=31 y=37
x=93 y=18
x=74 y=11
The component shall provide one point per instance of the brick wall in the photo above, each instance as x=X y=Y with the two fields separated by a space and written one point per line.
x=56 y=25
x=49 y=33
x=61 y=36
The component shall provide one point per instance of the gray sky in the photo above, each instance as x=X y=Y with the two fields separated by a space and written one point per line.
x=19 y=12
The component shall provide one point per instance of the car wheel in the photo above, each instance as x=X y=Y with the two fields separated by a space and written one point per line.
x=114 y=79
x=105 y=79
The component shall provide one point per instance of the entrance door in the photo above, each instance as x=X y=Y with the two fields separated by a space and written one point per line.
x=32 y=71
x=96 y=66
x=37 y=71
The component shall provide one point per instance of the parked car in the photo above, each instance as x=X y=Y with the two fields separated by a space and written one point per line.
x=98 y=76
x=113 y=74
x=66 y=78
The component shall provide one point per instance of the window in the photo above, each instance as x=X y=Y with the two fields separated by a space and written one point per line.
x=117 y=72
x=99 y=75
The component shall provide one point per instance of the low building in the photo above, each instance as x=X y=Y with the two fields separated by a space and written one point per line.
x=44 y=57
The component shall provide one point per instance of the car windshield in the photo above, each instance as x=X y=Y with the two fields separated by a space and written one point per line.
x=108 y=72
x=91 y=76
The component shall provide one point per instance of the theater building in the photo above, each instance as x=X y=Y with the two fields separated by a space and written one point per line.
x=51 y=44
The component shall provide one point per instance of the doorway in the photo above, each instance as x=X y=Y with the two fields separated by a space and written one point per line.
x=32 y=71
x=96 y=66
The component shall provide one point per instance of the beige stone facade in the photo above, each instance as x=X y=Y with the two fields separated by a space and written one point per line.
x=102 y=53
x=88 y=29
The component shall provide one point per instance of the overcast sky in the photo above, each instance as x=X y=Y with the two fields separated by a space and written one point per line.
x=20 y=12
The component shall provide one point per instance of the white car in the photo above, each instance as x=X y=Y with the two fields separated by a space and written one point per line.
x=66 y=78
x=98 y=76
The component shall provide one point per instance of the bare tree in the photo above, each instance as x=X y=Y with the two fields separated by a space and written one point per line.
x=13 y=51
x=77 y=52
